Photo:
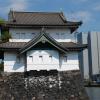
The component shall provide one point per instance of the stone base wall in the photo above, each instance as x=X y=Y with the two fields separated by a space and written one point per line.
x=60 y=86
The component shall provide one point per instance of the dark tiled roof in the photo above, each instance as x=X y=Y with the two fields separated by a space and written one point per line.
x=72 y=45
x=18 y=45
x=12 y=45
x=39 y=18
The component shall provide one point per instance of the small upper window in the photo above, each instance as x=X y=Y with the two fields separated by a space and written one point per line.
x=41 y=57
x=50 y=56
x=18 y=59
x=57 y=35
x=65 y=58
x=23 y=35
x=31 y=58
x=63 y=35
x=18 y=35
x=33 y=34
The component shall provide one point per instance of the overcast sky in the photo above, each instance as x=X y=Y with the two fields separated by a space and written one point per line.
x=87 y=11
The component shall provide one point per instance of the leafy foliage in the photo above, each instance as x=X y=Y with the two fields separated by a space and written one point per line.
x=5 y=36
x=2 y=21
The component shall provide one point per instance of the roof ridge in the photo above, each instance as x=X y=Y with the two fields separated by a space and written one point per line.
x=37 y=12
x=63 y=17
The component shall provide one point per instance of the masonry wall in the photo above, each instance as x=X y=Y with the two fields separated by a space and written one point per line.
x=56 y=86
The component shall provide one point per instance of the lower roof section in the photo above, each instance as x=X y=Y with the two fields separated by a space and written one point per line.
x=70 y=46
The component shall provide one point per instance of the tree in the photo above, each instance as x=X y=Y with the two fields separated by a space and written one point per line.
x=2 y=21
x=5 y=35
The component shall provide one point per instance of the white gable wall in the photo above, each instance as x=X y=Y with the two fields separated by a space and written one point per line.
x=42 y=60
x=25 y=35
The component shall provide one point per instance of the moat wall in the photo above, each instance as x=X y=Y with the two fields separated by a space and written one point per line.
x=42 y=86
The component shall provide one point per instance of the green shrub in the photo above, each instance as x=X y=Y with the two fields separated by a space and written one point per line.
x=2 y=21
x=5 y=36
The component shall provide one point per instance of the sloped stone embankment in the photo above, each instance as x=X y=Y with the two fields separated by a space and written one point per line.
x=59 y=86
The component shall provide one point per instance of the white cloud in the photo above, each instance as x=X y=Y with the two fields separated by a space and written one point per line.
x=18 y=5
x=84 y=16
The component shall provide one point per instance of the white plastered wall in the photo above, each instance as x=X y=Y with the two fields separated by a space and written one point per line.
x=61 y=35
x=25 y=35
x=69 y=63
x=49 y=61
x=11 y=64
x=35 y=62
x=42 y=60
x=22 y=35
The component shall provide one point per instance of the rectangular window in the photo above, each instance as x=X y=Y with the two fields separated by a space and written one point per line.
x=63 y=35
x=18 y=59
x=33 y=34
x=65 y=58
x=31 y=58
x=57 y=34
x=41 y=58
x=18 y=35
x=23 y=35
x=50 y=57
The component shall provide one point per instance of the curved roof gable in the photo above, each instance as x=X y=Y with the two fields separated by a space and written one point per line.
x=43 y=37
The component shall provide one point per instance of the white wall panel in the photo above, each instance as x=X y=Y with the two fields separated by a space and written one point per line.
x=36 y=63
x=42 y=60
x=60 y=35
x=10 y=63
x=71 y=63
x=17 y=34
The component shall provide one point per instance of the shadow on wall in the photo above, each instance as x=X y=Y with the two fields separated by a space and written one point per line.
x=36 y=73
x=17 y=66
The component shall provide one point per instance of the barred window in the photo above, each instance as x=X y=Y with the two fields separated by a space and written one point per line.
x=65 y=58
x=18 y=59
x=31 y=58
